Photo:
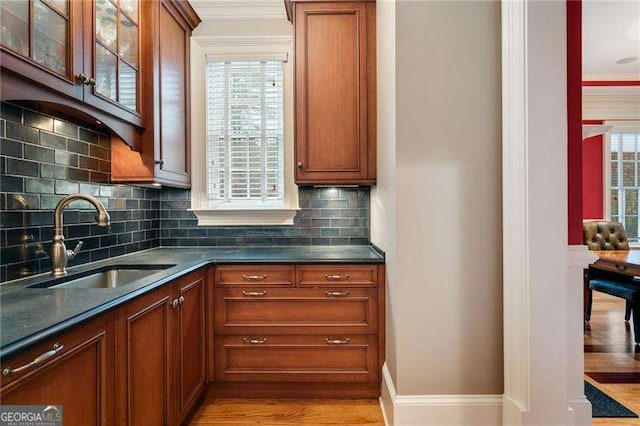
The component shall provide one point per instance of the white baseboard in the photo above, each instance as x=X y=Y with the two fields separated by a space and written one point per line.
x=579 y=411
x=437 y=410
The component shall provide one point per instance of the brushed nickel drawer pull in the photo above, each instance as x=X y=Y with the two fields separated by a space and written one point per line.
x=336 y=341
x=254 y=277
x=57 y=347
x=248 y=341
x=254 y=293
x=336 y=293
x=336 y=277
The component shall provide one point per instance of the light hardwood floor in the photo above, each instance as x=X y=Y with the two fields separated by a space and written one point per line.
x=287 y=412
x=609 y=349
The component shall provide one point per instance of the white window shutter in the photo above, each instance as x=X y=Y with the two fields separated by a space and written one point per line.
x=245 y=134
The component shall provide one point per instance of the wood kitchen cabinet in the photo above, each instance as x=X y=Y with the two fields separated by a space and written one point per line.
x=335 y=91
x=76 y=57
x=190 y=365
x=74 y=369
x=161 y=358
x=145 y=359
x=298 y=330
x=164 y=157
x=123 y=63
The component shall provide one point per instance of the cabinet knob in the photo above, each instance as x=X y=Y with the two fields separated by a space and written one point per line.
x=175 y=303
x=160 y=163
x=300 y=164
x=181 y=300
x=91 y=82
x=82 y=78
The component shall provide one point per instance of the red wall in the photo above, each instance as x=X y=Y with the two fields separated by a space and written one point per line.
x=574 y=121
x=592 y=176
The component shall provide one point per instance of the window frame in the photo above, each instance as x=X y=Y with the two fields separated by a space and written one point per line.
x=241 y=47
x=626 y=126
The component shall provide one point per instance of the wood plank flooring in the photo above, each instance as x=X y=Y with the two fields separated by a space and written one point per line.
x=288 y=412
x=611 y=362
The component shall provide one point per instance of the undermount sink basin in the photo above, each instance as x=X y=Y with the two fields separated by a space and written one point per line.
x=106 y=277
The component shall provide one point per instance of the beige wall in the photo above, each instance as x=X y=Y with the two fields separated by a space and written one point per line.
x=439 y=192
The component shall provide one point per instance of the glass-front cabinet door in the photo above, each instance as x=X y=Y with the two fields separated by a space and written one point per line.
x=115 y=57
x=36 y=39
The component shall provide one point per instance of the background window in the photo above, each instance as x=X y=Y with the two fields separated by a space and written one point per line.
x=625 y=181
x=245 y=134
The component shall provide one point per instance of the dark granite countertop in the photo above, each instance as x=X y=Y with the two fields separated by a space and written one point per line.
x=29 y=315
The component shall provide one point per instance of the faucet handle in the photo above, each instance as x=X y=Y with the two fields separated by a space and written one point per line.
x=74 y=253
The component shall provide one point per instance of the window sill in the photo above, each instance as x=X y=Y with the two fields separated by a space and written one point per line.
x=245 y=217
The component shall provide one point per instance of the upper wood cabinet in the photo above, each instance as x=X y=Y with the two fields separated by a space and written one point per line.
x=124 y=63
x=335 y=91
x=81 y=57
x=164 y=157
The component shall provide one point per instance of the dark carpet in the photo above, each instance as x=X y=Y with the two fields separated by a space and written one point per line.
x=603 y=405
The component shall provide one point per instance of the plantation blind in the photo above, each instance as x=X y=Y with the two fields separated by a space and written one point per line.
x=245 y=133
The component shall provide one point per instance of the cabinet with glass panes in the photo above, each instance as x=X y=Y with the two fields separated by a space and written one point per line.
x=87 y=50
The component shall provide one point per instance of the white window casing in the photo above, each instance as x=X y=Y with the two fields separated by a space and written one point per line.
x=624 y=139
x=237 y=134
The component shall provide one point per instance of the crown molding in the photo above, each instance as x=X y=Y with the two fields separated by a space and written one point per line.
x=239 y=10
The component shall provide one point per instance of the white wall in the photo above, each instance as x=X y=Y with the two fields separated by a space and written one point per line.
x=439 y=192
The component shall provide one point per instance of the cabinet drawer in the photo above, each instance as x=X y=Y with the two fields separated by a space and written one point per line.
x=337 y=275
x=255 y=275
x=296 y=311
x=322 y=358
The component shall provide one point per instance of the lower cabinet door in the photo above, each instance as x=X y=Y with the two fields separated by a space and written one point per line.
x=74 y=373
x=145 y=357
x=190 y=362
x=292 y=358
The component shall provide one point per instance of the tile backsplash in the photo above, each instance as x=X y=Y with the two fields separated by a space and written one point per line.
x=43 y=158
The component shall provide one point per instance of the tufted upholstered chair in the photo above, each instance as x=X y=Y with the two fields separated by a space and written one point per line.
x=602 y=235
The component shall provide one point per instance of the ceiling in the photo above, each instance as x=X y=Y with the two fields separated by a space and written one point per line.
x=610 y=32
x=238 y=10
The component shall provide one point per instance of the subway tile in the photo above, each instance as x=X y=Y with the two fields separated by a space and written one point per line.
x=34 y=119
x=21 y=133
x=53 y=141
x=90 y=188
x=66 y=158
x=77 y=146
x=23 y=202
x=99 y=152
x=22 y=167
x=80 y=175
x=65 y=128
x=38 y=153
x=89 y=163
x=11 y=219
x=53 y=171
x=65 y=187
x=89 y=135
x=11 y=148
x=11 y=112
x=99 y=177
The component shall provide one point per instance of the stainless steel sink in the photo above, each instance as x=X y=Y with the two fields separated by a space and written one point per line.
x=105 y=277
